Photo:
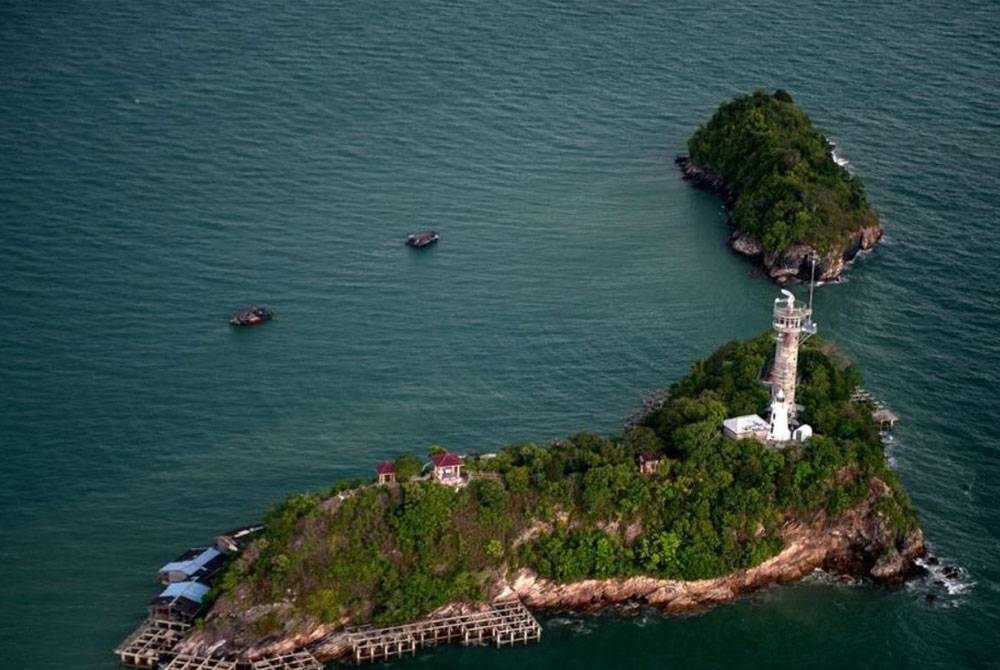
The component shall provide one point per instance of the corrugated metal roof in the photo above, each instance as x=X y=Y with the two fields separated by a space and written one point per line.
x=192 y=566
x=206 y=556
x=193 y=591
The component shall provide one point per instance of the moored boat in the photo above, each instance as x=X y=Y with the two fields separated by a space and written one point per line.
x=252 y=316
x=422 y=239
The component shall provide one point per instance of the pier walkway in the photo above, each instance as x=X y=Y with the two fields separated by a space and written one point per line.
x=154 y=639
x=186 y=662
x=299 y=660
x=507 y=623
x=881 y=414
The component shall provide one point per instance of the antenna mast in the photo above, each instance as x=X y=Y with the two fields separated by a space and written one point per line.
x=812 y=281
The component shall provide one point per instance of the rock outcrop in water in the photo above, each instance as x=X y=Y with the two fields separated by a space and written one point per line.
x=795 y=264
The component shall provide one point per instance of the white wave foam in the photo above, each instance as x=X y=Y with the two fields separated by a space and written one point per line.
x=945 y=579
x=576 y=625
x=819 y=576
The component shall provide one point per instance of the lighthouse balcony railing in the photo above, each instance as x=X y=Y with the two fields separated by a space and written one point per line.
x=783 y=310
x=790 y=322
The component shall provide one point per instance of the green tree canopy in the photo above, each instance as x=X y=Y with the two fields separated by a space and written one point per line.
x=788 y=188
x=579 y=508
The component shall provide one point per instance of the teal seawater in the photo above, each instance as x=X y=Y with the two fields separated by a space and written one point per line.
x=166 y=162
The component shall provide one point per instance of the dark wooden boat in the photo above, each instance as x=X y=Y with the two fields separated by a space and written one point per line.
x=252 y=316
x=422 y=239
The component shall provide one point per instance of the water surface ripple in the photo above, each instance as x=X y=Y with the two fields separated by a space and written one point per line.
x=166 y=163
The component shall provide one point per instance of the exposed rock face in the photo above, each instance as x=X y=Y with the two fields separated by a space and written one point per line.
x=746 y=244
x=795 y=263
x=230 y=632
x=857 y=545
x=706 y=179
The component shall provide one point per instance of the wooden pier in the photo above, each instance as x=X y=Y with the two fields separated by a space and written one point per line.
x=156 y=644
x=881 y=414
x=188 y=662
x=299 y=660
x=151 y=642
x=505 y=624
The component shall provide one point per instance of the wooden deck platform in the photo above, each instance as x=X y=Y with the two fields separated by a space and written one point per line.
x=151 y=642
x=299 y=660
x=881 y=414
x=505 y=624
x=188 y=662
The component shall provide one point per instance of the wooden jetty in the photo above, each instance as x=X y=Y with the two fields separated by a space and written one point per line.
x=189 y=662
x=155 y=644
x=881 y=414
x=506 y=623
x=155 y=640
x=151 y=642
x=298 y=660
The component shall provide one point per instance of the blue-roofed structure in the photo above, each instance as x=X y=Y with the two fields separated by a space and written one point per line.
x=194 y=591
x=195 y=563
x=180 y=601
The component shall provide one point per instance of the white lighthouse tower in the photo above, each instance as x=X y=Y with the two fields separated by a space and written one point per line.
x=792 y=325
x=778 y=429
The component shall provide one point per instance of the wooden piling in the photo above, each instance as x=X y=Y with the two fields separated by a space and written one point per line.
x=505 y=624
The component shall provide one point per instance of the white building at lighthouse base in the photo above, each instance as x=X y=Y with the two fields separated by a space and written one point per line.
x=775 y=432
x=778 y=429
x=746 y=426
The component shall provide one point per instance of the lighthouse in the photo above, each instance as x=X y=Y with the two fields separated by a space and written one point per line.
x=792 y=325
x=778 y=429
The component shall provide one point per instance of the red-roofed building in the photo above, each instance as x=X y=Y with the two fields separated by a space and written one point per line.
x=386 y=472
x=447 y=468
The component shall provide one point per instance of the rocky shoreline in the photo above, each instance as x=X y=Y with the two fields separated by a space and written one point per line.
x=795 y=264
x=856 y=546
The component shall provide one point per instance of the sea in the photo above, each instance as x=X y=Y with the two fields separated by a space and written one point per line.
x=163 y=164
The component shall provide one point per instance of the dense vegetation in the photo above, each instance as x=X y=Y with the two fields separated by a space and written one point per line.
x=788 y=188
x=579 y=508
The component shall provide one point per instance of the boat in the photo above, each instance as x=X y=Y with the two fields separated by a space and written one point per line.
x=422 y=239
x=252 y=316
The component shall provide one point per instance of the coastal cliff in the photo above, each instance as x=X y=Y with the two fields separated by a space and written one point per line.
x=855 y=546
x=672 y=514
x=858 y=545
x=795 y=262
x=788 y=200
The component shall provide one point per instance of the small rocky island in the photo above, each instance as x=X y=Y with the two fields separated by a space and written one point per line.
x=788 y=199
x=761 y=466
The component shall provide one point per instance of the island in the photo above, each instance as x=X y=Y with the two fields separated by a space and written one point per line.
x=762 y=465
x=789 y=201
